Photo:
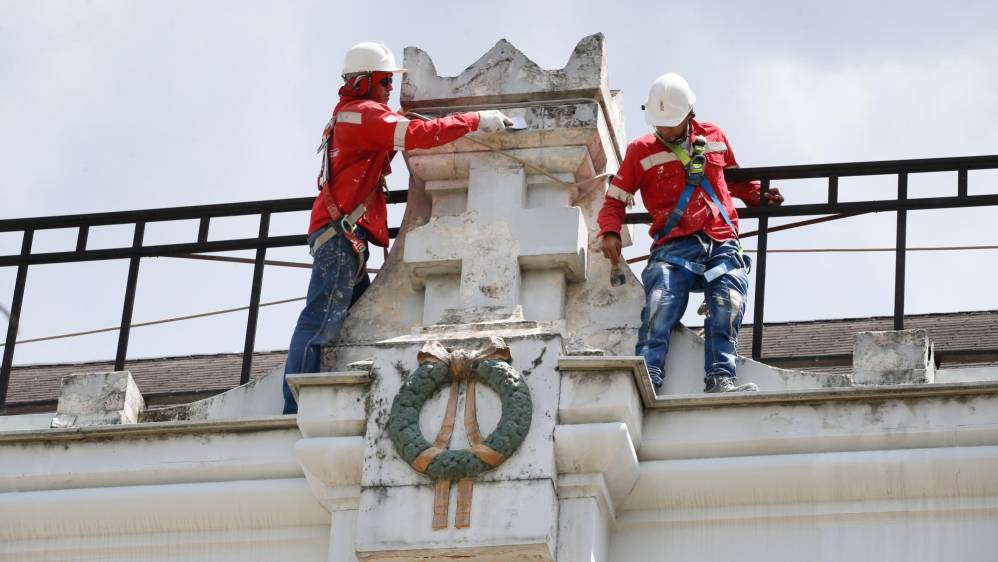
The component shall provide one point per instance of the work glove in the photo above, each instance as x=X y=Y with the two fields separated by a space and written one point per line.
x=493 y=121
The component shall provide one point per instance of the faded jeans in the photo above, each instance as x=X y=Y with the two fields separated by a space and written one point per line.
x=667 y=292
x=333 y=288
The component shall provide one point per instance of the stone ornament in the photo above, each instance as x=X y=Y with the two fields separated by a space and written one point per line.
x=439 y=366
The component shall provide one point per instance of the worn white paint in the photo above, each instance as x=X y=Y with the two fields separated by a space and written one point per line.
x=497 y=246
x=333 y=404
x=901 y=357
x=511 y=520
x=811 y=467
x=535 y=356
x=98 y=399
x=258 y=398
x=583 y=531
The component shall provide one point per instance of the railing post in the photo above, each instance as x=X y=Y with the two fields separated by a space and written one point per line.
x=126 y=311
x=203 y=226
x=900 y=252
x=254 y=310
x=760 y=277
x=81 y=238
x=15 y=316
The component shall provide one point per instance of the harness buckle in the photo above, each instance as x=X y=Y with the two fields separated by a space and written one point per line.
x=345 y=225
x=698 y=162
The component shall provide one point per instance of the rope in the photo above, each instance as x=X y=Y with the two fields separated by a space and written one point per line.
x=915 y=249
x=252 y=261
x=832 y=250
x=154 y=322
x=244 y=260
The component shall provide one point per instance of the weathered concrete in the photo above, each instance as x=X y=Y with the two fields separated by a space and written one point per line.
x=498 y=247
x=809 y=467
x=333 y=404
x=483 y=230
x=257 y=398
x=898 y=357
x=511 y=520
x=535 y=358
x=98 y=399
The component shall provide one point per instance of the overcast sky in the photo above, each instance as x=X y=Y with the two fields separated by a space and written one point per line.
x=109 y=106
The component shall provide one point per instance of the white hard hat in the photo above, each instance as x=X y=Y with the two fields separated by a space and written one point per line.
x=670 y=100
x=370 y=56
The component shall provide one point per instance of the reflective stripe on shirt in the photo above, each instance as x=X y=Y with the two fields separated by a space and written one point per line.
x=400 y=129
x=650 y=162
x=620 y=195
x=351 y=117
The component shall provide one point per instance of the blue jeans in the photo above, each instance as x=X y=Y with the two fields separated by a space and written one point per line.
x=667 y=291
x=333 y=288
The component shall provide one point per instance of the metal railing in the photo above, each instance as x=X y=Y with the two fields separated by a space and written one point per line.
x=138 y=220
x=264 y=209
x=832 y=173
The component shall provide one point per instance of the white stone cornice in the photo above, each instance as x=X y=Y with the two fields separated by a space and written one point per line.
x=635 y=365
x=801 y=396
x=706 y=483
x=331 y=404
x=151 y=429
x=598 y=448
x=589 y=485
x=333 y=466
x=457 y=165
x=297 y=381
x=605 y=395
x=171 y=508
x=151 y=458
x=765 y=428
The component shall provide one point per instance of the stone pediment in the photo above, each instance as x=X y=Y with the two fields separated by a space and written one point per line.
x=505 y=75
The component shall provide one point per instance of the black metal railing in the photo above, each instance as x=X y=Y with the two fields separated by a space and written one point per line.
x=138 y=220
x=831 y=173
x=263 y=210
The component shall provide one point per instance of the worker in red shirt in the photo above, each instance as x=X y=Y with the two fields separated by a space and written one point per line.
x=358 y=144
x=679 y=169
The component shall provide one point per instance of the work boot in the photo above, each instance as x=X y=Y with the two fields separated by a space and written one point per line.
x=657 y=385
x=718 y=384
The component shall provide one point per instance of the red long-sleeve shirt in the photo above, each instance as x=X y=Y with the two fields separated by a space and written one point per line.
x=366 y=137
x=651 y=167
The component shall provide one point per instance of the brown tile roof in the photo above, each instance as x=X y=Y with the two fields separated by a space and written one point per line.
x=169 y=380
x=949 y=331
x=164 y=376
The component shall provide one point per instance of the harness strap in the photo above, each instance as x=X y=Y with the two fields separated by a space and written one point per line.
x=695 y=177
x=343 y=225
x=691 y=269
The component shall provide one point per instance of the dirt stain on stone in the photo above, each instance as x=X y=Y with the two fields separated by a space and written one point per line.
x=536 y=362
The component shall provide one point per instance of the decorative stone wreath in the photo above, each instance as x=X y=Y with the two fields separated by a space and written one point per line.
x=439 y=367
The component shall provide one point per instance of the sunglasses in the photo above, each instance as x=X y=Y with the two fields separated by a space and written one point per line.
x=386 y=82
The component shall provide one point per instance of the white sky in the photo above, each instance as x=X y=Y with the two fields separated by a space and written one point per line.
x=127 y=105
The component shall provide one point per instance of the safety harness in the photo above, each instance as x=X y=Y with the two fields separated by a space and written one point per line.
x=695 y=166
x=341 y=224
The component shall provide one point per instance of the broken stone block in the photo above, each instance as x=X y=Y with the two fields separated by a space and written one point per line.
x=89 y=399
x=895 y=357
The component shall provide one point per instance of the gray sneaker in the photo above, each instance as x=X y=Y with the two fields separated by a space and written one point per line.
x=720 y=384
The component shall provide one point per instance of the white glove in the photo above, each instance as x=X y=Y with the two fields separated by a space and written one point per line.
x=493 y=121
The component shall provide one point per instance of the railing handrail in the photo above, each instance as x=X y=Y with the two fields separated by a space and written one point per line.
x=804 y=171
x=265 y=208
x=866 y=168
